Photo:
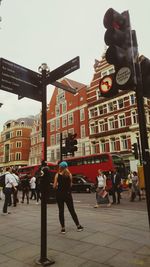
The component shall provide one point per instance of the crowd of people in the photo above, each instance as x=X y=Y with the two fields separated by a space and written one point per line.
x=108 y=190
x=13 y=184
x=111 y=186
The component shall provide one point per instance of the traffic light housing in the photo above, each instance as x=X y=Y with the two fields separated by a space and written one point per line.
x=71 y=143
x=120 y=52
x=135 y=150
x=145 y=72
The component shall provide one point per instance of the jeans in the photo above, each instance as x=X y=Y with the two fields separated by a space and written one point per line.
x=62 y=198
x=7 y=192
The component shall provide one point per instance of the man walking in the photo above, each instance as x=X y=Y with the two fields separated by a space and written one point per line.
x=9 y=186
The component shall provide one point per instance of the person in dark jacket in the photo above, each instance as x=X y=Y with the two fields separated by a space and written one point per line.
x=62 y=184
x=116 y=186
x=25 y=186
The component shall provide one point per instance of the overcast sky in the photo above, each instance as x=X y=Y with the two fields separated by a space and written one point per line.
x=55 y=31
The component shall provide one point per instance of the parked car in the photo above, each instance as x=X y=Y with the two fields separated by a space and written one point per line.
x=80 y=184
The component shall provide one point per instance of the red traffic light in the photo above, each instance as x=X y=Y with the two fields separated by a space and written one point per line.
x=114 y=19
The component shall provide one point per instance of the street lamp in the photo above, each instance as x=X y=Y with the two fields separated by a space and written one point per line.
x=1 y=104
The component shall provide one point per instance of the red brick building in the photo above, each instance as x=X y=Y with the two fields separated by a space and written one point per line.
x=67 y=113
x=15 y=142
x=113 y=122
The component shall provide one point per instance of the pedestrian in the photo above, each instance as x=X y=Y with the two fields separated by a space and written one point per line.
x=116 y=187
x=16 y=183
x=129 y=181
x=135 y=189
x=62 y=184
x=102 y=195
x=38 y=185
x=33 y=187
x=25 y=186
x=9 y=185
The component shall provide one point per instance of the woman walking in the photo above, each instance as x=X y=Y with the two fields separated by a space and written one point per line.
x=62 y=184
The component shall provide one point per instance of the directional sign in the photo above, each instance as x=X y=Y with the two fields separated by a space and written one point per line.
x=19 y=80
x=63 y=70
x=65 y=87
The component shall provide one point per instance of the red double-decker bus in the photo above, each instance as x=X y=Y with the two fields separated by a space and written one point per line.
x=31 y=170
x=89 y=165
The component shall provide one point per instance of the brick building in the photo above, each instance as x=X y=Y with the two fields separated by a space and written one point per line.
x=67 y=113
x=113 y=122
x=15 y=142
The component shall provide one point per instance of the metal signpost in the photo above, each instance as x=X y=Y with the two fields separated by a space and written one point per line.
x=27 y=83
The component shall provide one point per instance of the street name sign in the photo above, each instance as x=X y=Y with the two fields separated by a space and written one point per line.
x=65 y=87
x=19 y=80
x=63 y=70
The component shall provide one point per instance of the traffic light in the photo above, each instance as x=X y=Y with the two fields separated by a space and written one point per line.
x=107 y=86
x=120 y=52
x=71 y=143
x=145 y=72
x=135 y=150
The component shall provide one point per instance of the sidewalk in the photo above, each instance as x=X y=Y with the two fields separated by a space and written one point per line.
x=111 y=237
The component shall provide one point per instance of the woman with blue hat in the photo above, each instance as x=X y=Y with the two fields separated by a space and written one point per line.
x=62 y=184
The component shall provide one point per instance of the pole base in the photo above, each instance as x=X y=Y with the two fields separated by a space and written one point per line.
x=45 y=262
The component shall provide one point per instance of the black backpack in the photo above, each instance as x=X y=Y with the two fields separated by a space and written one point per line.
x=2 y=180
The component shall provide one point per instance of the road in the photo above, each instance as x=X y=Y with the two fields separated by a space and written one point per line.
x=87 y=200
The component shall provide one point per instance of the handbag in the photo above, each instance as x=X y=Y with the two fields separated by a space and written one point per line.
x=103 y=193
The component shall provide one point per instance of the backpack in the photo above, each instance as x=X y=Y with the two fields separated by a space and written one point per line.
x=2 y=180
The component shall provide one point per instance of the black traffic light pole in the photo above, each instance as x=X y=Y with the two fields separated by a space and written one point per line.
x=143 y=131
x=43 y=257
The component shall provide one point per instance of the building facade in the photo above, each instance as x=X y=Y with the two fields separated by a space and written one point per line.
x=35 y=155
x=15 y=142
x=113 y=122
x=67 y=113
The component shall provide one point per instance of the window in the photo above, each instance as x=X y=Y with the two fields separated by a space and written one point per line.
x=122 y=122
x=110 y=107
x=82 y=131
x=52 y=126
x=64 y=107
x=11 y=134
x=18 y=133
x=102 y=146
x=92 y=128
x=60 y=97
x=57 y=110
x=52 y=155
x=18 y=156
x=111 y=123
x=103 y=73
x=132 y=99
x=82 y=114
x=70 y=119
x=101 y=110
x=124 y=143
x=52 y=140
x=57 y=138
x=64 y=121
x=112 y=145
x=93 y=112
x=101 y=126
x=97 y=94
x=18 y=144
x=120 y=103
x=134 y=117
x=57 y=124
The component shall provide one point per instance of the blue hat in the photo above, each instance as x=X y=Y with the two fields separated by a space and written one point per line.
x=63 y=164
